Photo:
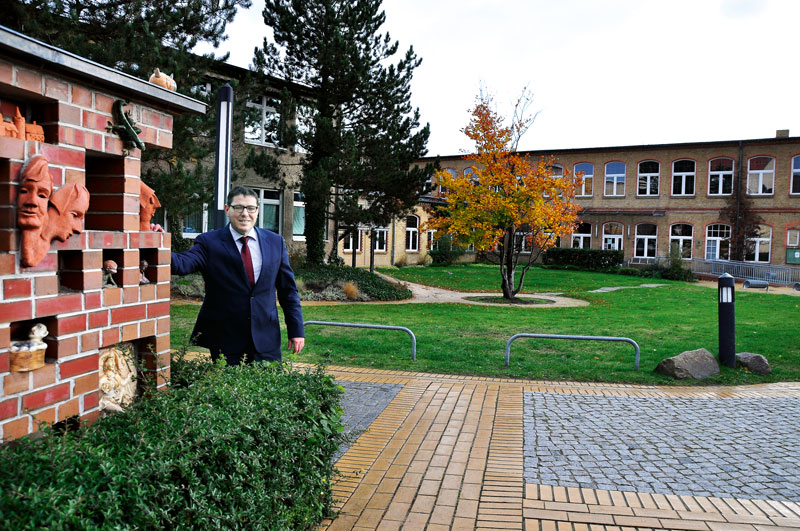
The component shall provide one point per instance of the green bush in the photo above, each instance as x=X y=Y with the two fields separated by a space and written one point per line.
x=246 y=447
x=588 y=259
x=447 y=252
x=373 y=286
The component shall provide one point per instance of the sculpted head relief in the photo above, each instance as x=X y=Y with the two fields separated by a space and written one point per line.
x=68 y=207
x=33 y=194
x=148 y=203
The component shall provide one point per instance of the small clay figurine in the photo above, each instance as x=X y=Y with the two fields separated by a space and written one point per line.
x=163 y=80
x=37 y=334
x=143 y=265
x=109 y=269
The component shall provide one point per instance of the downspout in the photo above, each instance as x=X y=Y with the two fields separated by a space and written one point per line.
x=738 y=200
x=391 y=259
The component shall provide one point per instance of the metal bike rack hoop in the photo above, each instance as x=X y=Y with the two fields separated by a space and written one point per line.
x=584 y=338
x=380 y=327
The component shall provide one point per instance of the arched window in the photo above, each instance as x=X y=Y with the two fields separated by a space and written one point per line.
x=412 y=233
x=760 y=176
x=683 y=175
x=443 y=189
x=584 y=170
x=612 y=236
x=615 y=179
x=649 y=172
x=680 y=237
x=582 y=237
x=646 y=234
x=757 y=246
x=720 y=176
x=718 y=242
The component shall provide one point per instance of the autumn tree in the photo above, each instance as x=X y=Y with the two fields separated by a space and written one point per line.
x=363 y=134
x=510 y=205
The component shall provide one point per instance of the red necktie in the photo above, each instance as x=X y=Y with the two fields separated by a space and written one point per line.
x=248 y=261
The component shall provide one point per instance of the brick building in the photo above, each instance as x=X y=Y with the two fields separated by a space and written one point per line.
x=642 y=199
x=72 y=99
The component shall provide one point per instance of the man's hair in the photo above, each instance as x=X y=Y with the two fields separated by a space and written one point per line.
x=241 y=190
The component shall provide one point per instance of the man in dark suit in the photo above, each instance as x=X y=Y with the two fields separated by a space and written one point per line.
x=243 y=266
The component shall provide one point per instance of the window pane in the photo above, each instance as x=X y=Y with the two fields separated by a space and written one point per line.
x=684 y=166
x=299 y=221
x=269 y=218
x=722 y=165
x=762 y=163
x=648 y=166
x=646 y=229
x=615 y=168
x=689 y=185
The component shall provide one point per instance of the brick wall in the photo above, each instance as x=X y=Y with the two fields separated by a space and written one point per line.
x=64 y=291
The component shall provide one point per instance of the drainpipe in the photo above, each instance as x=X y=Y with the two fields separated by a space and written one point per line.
x=391 y=260
x=738 y=199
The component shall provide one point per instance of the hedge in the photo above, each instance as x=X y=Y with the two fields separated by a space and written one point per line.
x=376 y=288
x=246 y=447
x=591 y=259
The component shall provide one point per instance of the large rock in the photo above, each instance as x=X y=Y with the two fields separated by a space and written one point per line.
x=753 y=362
x=695 y=364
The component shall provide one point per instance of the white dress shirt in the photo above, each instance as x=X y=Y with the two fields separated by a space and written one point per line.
x=252 y=244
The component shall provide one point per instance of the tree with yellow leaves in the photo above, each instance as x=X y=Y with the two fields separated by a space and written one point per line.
x=510 y=205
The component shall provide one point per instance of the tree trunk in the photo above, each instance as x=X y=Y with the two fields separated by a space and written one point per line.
x=507 y=266
x=372 y=250
x=354 y=235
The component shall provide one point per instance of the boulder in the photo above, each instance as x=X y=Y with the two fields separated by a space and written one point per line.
x=753 y=362
x=695 y=364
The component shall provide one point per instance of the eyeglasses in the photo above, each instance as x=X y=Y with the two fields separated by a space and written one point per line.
x=238 y=208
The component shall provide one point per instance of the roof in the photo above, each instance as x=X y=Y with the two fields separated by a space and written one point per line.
x=51 y=58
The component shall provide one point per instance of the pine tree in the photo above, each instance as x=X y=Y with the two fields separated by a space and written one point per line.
x=137 y=36
x=363 y=134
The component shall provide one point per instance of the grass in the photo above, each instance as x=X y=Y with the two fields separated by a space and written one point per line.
x=486 y=277
x=470 y=340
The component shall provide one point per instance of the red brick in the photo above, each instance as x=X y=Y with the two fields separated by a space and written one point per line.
x=16 y=382
x=12 y=148
x=93 y=120
x=162 y=291
x=98 y=319
x=91 y=417
x=90 y=341
x=156 y=361
x=112 y=296
x=53 y=88
x=65 y=114
x=75 y=242
x=8 y=193
x=130 y=332
x=113 y=145
x=15 y=311
x=147 y=328
x=9 y=408
x=48 y=263
x=62 y=348
x=4 y=362
x=93 y=141
x=162 y=325
x=14 y=429
x=57 y=175
x=74 y=176
x=106 y=240
x=13 y=288
x=5 y=341
x=155 y=345
x=90 y=401
x=8 y=217
x=79 y=366
x=68 y=325
x=59 y=304
x=113 y=222
x=81 y=96
x=164 y=140
x=84 y=384
x=8 y=240
x=42 y=418
x=130 y=294
x=29 y=80
x=110 y=337
x=45 y=397
x=147 y=292
x=157 y=309
x=64 y=156
x=6 y=73
x=44 y=375
x=46 y=286
x=105 y=103
x=7 y=264
x=69 y=409
x=92 y=300
x=129 y=313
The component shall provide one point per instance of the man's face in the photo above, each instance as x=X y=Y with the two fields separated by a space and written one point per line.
x=32 y=197
x=65 y=224
x=242 y=221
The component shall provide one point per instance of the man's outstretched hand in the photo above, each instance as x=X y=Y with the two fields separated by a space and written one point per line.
x=296 y=344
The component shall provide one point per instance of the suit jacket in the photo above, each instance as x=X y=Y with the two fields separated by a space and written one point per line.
x=233 y=313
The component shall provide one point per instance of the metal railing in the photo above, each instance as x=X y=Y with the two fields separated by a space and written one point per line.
x=747 y=270
x=583 y=338
x=380 y=327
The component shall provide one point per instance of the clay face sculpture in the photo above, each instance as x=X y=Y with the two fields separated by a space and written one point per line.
x=143 y=265
x=35 y=189
x=68 y=206
x=148 y=203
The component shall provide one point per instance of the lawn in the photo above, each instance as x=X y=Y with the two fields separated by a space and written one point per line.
x=470 y=340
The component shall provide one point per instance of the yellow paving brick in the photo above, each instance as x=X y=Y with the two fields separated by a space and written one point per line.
x=447 y=497
x=684 y=524
x=636 y=521
x=718 y=526
x=442 y=514
x=570 y=507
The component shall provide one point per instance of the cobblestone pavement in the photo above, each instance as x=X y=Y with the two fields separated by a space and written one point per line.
x=362 y=403
x=742 y=447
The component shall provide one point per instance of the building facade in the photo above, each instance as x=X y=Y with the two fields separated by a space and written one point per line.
x=644 y=199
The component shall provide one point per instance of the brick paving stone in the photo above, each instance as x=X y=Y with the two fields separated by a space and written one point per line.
x=722 y=447
x=361 y=404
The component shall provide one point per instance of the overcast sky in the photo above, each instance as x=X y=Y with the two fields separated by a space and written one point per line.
x=603 y=72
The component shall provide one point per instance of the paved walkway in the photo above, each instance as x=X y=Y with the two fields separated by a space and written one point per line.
x=449 y=452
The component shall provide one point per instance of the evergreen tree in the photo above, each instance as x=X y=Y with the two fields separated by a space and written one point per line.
x=363 y=134
x=137 y=36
